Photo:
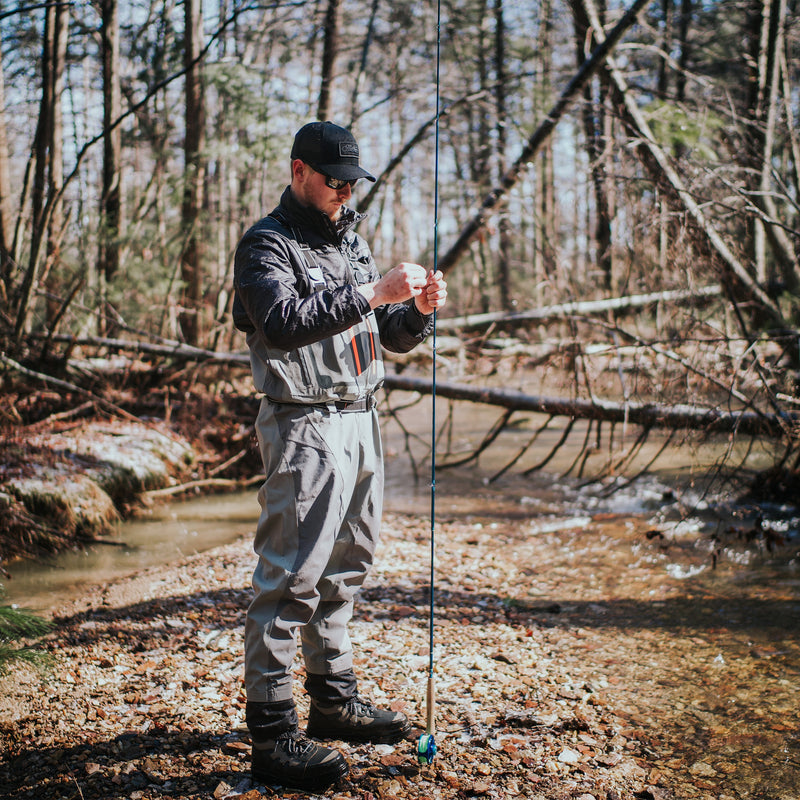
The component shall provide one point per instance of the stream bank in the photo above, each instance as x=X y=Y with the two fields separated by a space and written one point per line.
x=69 y=476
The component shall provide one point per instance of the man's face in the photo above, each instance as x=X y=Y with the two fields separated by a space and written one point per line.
x=310 y=189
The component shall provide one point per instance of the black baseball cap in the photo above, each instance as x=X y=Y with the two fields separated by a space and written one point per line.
x=329 y=149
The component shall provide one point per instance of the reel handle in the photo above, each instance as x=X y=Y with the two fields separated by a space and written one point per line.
x=426 y=746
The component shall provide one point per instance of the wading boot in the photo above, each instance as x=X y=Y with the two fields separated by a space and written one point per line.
x=296 y=762
x=356 y=720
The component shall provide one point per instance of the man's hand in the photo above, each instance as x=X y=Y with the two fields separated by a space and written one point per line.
x=433 y=295
x=403 y=282
x=398 y=285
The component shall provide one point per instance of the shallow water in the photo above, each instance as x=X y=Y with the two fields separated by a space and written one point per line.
x=165 y=534
x=169 y=532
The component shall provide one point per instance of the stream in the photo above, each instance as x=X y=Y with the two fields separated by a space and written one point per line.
x=670 y=493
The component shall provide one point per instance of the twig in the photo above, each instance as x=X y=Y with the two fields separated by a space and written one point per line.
x=221 y=483
x=493 y=433
x=556 y=447
x=522 y=450
x=62 y=415
x=225 y=464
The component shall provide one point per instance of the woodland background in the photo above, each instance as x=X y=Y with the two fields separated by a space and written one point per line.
x=643 y=158
x=618 y=203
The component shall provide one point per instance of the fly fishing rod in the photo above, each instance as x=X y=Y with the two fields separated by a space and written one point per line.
x=426 y=746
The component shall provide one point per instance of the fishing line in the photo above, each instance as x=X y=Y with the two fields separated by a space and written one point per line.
x=426 y=746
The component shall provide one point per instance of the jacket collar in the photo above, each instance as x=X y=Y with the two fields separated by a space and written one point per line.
x=311 y=220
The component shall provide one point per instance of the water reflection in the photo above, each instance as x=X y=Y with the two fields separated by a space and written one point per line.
x=165 y=534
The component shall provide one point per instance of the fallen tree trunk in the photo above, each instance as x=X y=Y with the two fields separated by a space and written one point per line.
x=167 y=349
x=648 y=415
x=497 y=196
x=578 y=308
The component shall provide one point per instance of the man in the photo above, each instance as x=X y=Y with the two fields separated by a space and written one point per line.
x=316 y=313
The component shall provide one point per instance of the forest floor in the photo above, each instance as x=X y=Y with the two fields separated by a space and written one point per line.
x=574 y=660
x=578 y=654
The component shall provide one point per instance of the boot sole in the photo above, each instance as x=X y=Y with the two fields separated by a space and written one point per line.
x=317 y=783
x=361 y=737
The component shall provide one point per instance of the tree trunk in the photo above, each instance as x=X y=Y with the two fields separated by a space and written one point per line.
x=110 y=201
x=781 y=270
x=545 y=224
x=191 y=315
x=685 y=50
x=581 y=308
x=501 y=123
x=40 y=158
x=594 y=126
x=648 y=415
x=6 y=206
x=330 y=49
x=666 y=46
x=761 y=13
x=362 y=68
x=497 y=196
x=52 y=277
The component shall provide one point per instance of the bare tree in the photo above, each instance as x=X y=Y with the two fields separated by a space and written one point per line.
x=544 y=212
x=595 y=123
x=46 y=161
x=110 y=200
x=6 y=212
x=329 y=52
x=501 y=124
x=194 y=176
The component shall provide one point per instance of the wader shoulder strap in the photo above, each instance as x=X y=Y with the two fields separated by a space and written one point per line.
x=294 y=238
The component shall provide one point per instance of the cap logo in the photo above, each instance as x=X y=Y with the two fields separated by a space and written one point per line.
x=348 y=150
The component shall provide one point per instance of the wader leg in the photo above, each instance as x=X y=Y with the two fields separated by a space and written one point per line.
x=314 y=472
x=326 y=642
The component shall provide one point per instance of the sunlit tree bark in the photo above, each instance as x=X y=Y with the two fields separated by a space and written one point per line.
x=191 y=316
x=110 y=201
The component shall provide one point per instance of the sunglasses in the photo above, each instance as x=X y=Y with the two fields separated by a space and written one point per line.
x=338 y=183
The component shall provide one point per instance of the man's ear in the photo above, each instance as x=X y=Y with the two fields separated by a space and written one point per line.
x=299 y=168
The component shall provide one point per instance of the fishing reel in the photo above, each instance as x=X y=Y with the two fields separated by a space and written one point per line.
x=426 y=748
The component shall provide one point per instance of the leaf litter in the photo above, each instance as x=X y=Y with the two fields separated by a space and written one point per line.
x=584 y=658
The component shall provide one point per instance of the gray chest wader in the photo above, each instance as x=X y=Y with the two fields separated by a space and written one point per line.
x=343 y=368
x=321 y=507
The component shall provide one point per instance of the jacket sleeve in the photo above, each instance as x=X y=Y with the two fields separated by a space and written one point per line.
x=275 y=298
x=402 y=326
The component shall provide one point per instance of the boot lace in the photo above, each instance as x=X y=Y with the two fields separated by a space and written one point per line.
x=360 y=706
x=295 y=743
